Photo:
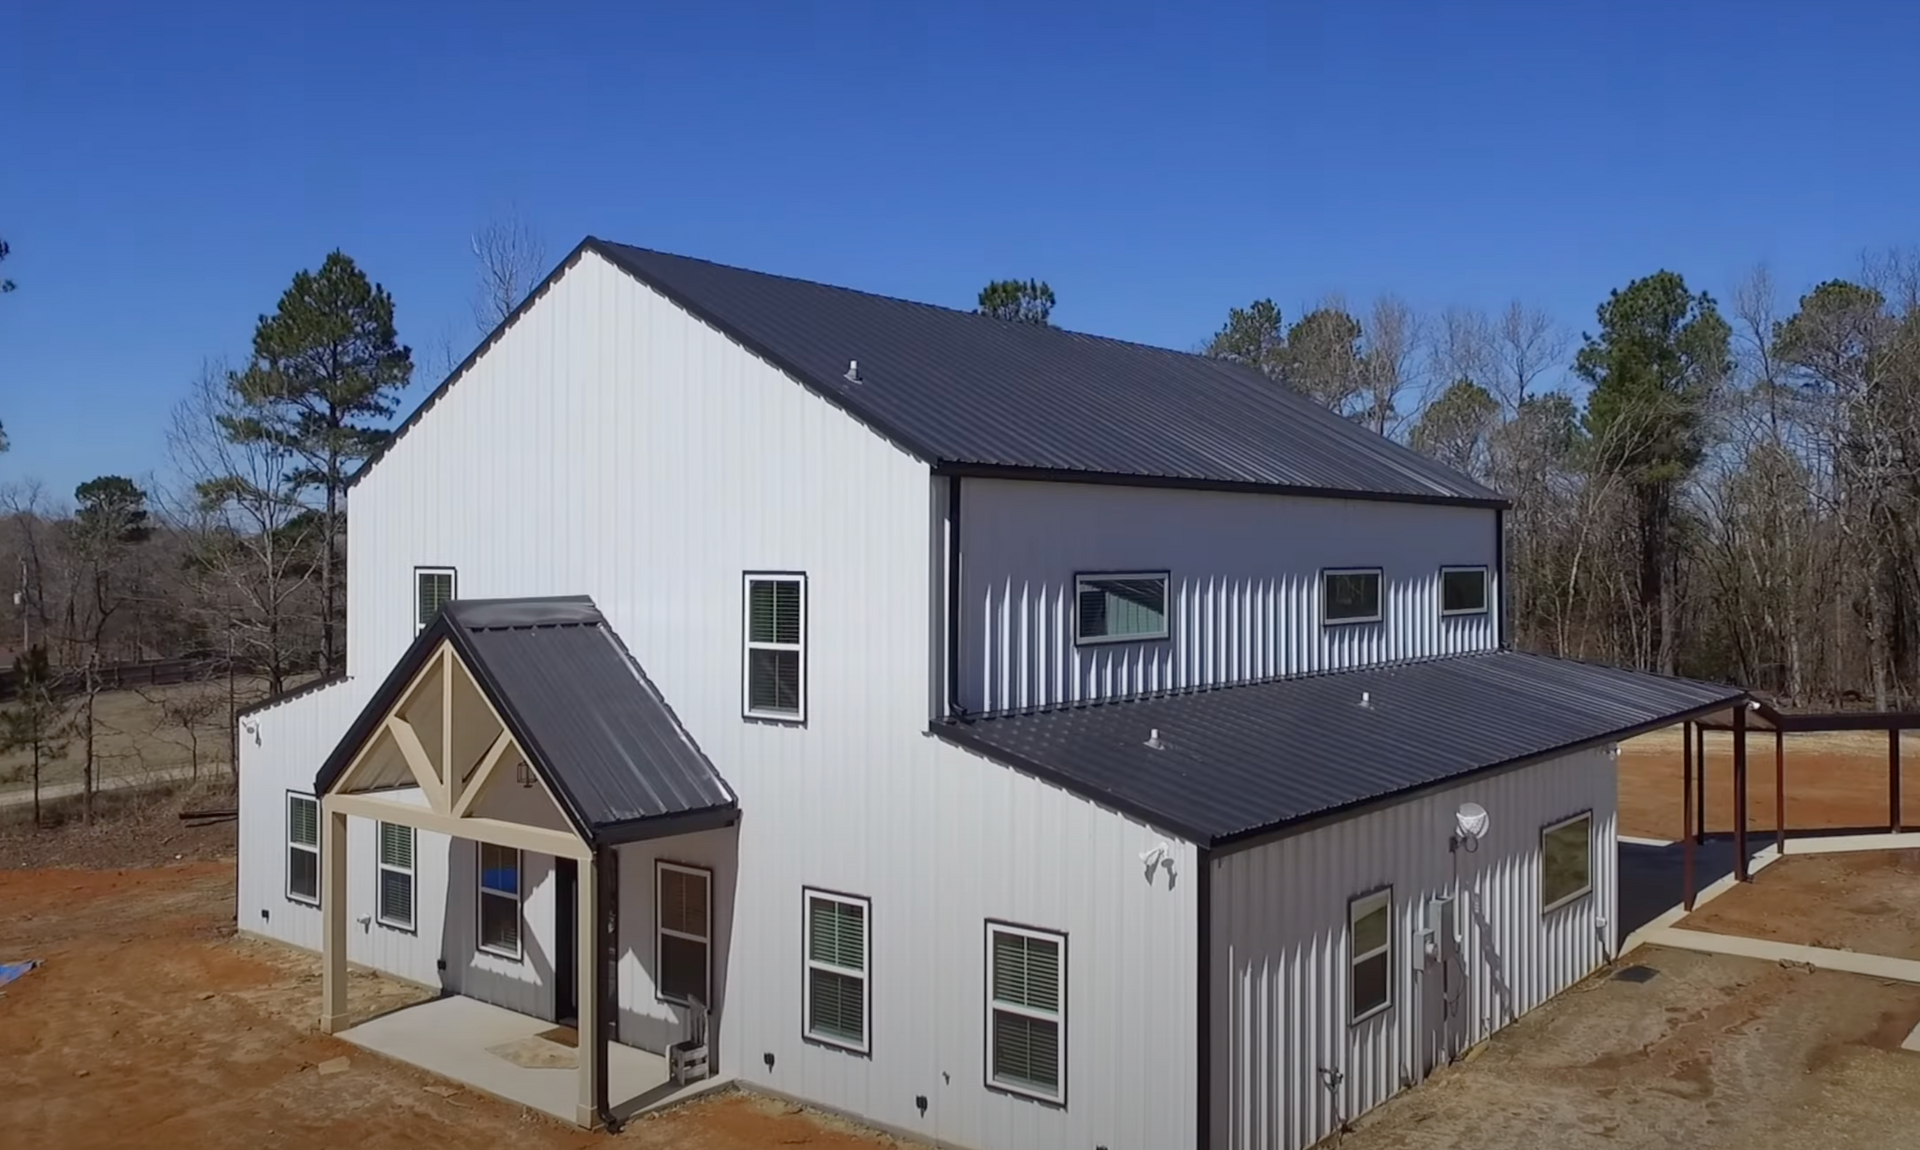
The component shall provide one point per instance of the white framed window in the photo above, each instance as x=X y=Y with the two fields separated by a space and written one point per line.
x=499 y=897
x=1566 y=861
x=774 y=664
x=835 y=1006
x=683 y=918
x=303 y=848
x=1027 y=1011
x=1119 y=608
x=1463 y=590
x=393 y=894
x=1350 y=595
x=433 y=588
x=1370 y=936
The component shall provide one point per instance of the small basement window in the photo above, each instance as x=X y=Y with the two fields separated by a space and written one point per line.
x=1351 y=595
x=1463 y=590
x=1027 y=1011
x=775 y=663
x=1120 y=608
x=683 y=917
x=1370 y=920
x=500 y=900
x=433 y=588
x=836 y=986
x=395 y=892
x=303 y=848
x=1566 y=861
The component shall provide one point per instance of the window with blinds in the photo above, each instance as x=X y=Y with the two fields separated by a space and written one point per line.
x=303 y=848
x=775 y=660
x=1120 y=608
x=683 y=912
x=1026 y=1011
x=499 y=911
x=836 y=984
x=393 y=895
x=432 y=590
x=1370 y=934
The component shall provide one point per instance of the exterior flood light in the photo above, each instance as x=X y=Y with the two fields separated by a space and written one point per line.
x=1470 y=826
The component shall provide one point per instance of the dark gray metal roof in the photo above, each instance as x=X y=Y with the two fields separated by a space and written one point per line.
x=1238 y=761
x=972 y=394
x=580 y=706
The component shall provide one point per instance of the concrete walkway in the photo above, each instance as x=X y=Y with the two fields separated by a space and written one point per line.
x=1819 y=957
x=23 y=797
x=508 y=1055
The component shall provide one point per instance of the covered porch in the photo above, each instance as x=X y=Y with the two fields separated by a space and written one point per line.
x=527 y=729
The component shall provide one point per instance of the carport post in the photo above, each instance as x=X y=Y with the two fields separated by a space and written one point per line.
x=1740 y=791
x=1699 y=783
x=1893 y=778
x=1686 y=812
x=333 y=918
x=1779 y=791
x=588 y=1039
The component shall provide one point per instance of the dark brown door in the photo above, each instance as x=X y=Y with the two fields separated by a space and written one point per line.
x=566 y=938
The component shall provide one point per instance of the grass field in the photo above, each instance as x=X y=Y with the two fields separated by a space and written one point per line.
x=152 y=731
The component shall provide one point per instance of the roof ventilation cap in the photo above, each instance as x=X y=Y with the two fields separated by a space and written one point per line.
x=853 y=372
x=1366 y=699
x=1153 y=739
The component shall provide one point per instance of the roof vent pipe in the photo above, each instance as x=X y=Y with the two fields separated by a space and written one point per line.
x=853 y=372
x=1366 y=699
x=1153 y=739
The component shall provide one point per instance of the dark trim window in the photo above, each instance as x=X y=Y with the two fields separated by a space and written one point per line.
x=1463 y=590
x=433 y=588
x=303 y=848
x=499 y=900
x=774 y=664
x=393 y=892
x=683 y=934
x=1370 y=934
x=836 y=998
x=1566 y=861
x=1120 y=608
x=1027 y=1011
x=1350 y=595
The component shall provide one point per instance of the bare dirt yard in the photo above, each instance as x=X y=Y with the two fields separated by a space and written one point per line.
x=152 y=1024
x=1712 y=1053
x=1866 y=901
x=1834 y=780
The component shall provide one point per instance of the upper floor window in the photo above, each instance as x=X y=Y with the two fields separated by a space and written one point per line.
x=1350 y=595
x=432 y=590
x=774 y=669
x=1463 y=590
x=1120 y=608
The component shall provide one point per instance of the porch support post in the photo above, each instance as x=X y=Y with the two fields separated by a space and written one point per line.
x=1686 y=814
x=1893 y=779
x=1779 y=791
x=588 y=1039
x=333 y=915
x=1740 y=791
x=1699 y=783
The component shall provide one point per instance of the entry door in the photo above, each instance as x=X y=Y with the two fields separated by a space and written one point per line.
x=566 y=935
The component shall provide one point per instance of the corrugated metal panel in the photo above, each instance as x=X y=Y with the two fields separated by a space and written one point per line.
x=954 y=387
x=1239 y=759
x=610 y=446
x=1244 y=586
x=1281 y=956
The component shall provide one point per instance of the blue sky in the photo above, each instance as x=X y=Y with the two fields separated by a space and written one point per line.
x=166 y=168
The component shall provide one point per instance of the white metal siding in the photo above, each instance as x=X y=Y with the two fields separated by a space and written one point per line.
x=1244 y=593
x=611 y=445
x=1280 y=949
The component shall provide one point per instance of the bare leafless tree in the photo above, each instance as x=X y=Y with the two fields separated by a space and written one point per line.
x=510 y=259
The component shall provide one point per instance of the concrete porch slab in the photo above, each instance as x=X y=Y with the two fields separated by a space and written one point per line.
x=451 y=1037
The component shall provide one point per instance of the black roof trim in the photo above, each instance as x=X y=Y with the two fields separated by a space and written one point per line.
x=304 y=689
x=1184 y=483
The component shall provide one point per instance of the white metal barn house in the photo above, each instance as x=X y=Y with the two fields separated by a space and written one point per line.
x=1009 y=737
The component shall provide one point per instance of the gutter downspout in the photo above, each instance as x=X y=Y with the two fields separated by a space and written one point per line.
x=606 y=866
x=1203 y=1014
x=953 y=596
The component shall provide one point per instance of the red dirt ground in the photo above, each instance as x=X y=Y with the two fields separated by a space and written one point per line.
x=1857 y=901
x=152 y=1025
x=1833 y=781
